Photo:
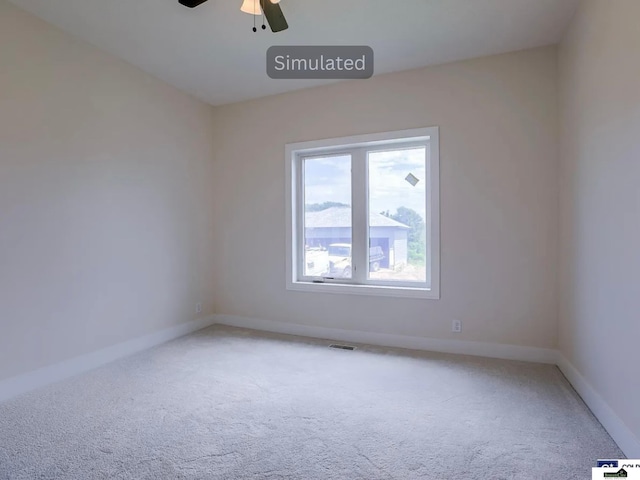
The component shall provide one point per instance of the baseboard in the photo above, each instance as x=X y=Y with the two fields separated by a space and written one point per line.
x=20 y=384
x=621 y=434
x=481 y=349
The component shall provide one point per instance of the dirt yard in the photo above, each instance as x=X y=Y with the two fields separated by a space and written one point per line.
x=409 y=273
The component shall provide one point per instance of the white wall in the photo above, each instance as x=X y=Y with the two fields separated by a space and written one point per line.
x=105 y=234
x=498 y=126
x=600 y=159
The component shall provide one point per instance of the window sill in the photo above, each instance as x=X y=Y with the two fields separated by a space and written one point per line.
x=371 y=290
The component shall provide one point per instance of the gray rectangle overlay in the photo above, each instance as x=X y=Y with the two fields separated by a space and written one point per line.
x=317 y=61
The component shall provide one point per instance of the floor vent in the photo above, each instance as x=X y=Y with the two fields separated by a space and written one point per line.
x=342 y=347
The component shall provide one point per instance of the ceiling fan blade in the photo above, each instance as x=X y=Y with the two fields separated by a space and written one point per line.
x=191 y=3
x=274 y=16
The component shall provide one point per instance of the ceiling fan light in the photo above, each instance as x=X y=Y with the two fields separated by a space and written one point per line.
x=274 y=1
x=252 y=7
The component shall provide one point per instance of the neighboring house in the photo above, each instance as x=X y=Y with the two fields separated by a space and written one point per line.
x=333 y=225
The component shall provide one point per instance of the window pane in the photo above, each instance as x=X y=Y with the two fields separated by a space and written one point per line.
x=327 y=216
x=397 y=214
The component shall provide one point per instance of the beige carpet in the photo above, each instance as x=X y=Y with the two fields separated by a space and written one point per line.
x=235 y=404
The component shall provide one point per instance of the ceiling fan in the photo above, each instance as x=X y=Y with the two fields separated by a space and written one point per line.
x=270 y=8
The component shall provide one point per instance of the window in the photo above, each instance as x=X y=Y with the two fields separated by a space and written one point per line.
x=363 y=214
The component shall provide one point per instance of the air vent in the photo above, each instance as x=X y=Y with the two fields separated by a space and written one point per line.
x=342 y=347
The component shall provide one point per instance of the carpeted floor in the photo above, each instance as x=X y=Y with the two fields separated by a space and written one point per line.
x=236 y=404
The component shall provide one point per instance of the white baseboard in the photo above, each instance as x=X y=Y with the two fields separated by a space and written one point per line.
x=20 y=384
x=626 y=440
x=462 y=347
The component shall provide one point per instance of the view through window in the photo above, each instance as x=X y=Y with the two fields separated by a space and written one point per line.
x=366 y=214
x=327 y=216
x=397 y=215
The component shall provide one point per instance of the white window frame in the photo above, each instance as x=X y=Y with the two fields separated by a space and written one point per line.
x=358 y=146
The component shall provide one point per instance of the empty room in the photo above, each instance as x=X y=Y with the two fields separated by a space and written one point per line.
x=346 y=239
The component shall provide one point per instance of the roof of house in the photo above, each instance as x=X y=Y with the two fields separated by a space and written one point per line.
x=336 y=217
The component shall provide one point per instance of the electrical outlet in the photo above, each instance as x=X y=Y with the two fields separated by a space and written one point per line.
x=456 y=326
x=198 y=307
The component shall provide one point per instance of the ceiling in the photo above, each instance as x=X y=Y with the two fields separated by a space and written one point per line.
x=212 y=53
